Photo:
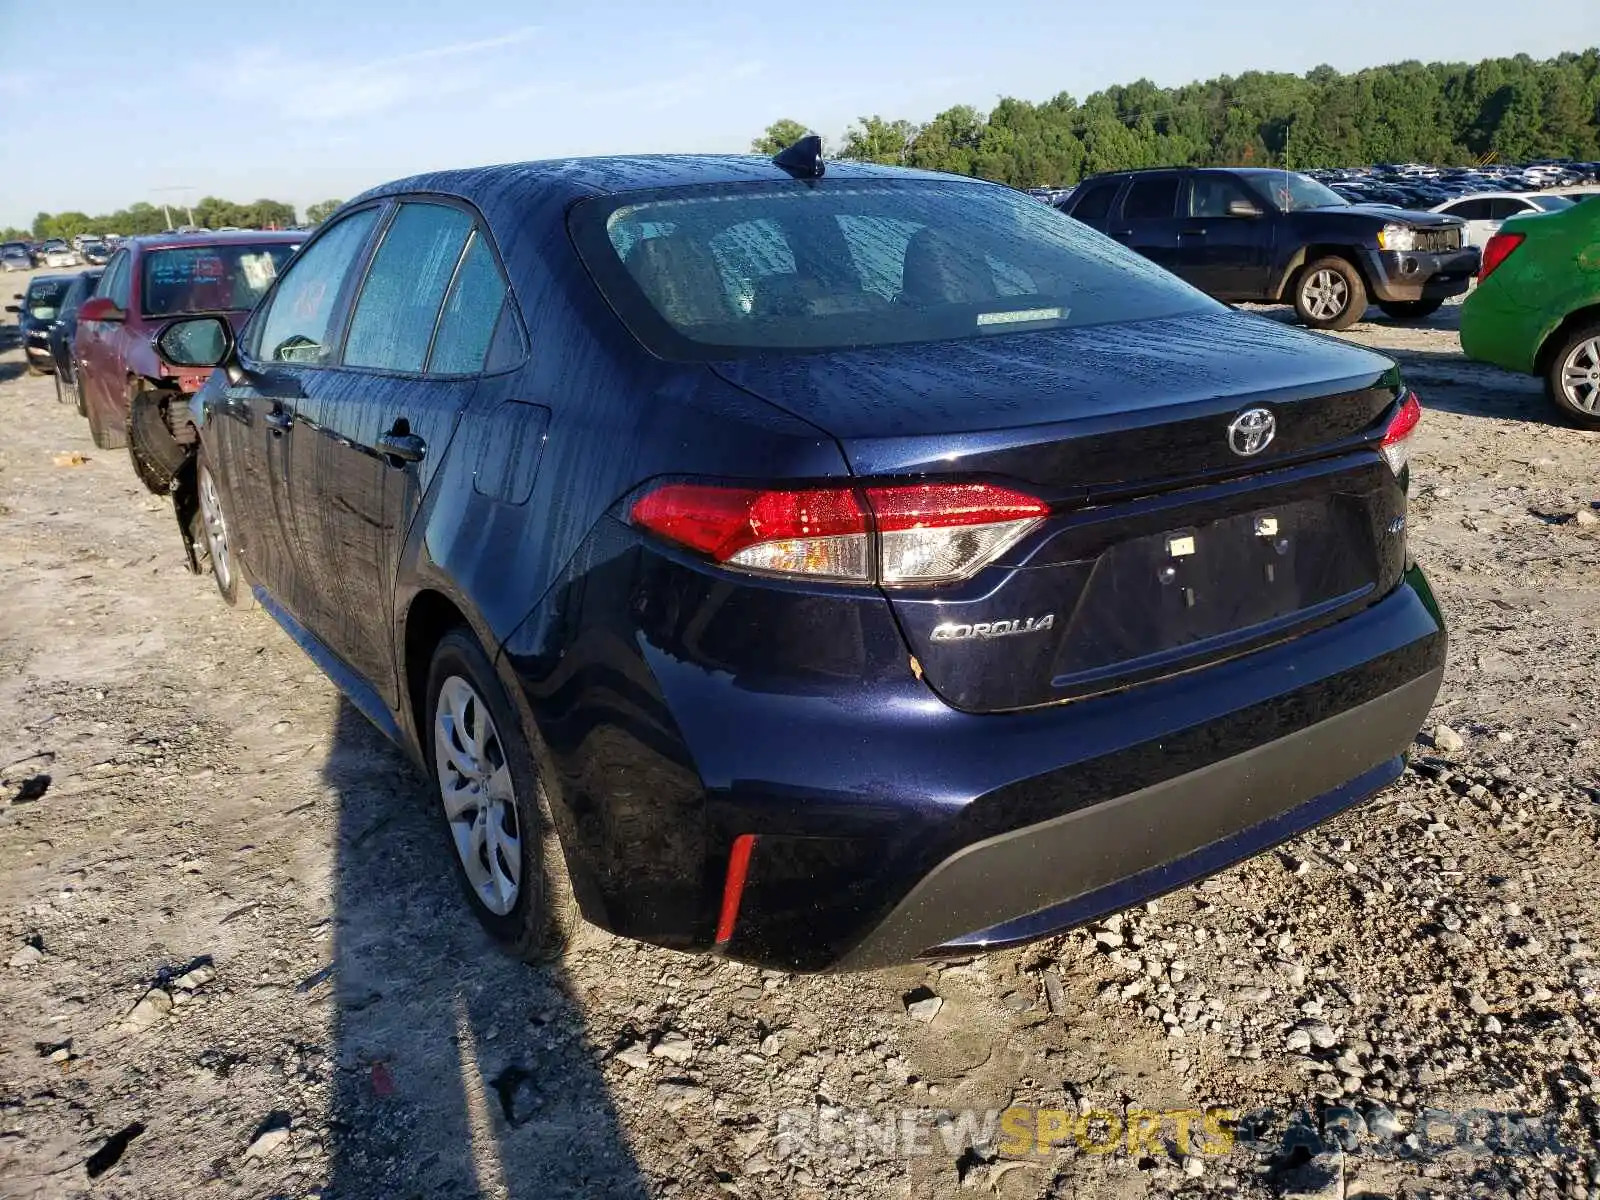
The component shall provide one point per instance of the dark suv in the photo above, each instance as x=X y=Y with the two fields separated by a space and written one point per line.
x=1277 y=237
x=823 y=570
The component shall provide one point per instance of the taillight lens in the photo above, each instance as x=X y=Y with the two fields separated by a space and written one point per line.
x=1497 y=251
x=895 y=535
x=1396 y=438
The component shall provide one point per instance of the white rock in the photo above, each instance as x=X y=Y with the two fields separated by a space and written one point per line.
x=925 y=1009
x=153 y=1007
x=1447 y=739
x=267 y=1142
x=634 y=1056
x=27 y=956
x=193 y=981
x=673 y=1047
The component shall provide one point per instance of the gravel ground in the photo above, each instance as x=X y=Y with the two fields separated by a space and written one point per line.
x=238 y=965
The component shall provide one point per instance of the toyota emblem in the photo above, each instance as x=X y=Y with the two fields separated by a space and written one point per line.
x=1252 y=431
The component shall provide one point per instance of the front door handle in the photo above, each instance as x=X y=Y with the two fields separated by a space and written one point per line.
x=1192 y=233
x=279 y=420
x=1122 y=233
x=402 y=447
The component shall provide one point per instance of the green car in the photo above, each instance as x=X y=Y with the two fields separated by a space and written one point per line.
x=1536 y=308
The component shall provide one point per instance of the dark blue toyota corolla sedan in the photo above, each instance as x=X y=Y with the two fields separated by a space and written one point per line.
x=821 y=566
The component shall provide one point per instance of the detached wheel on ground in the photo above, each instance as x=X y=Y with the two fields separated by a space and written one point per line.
x=1410 y=310
x=495 y=815
x=1572 y=380
x=1329 y=294
x=217 y=526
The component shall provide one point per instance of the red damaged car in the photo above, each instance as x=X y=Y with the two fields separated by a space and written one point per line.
x=131 y=395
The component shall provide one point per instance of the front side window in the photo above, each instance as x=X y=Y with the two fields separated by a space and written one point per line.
x=114 y=283
x=296 y=324
x=193 y=279
x=1550 y=203
x=1210 y=195
x=394 y=319
x=727 y=270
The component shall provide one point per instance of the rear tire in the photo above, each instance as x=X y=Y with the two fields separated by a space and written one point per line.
x=217 y=540
x=105 y=436
x=1410 y=310
x=1572 y=378
x=492 y=806
x=1329 y=294
x=61 y=396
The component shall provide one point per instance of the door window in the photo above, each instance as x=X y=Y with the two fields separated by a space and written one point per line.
x=1508 y=206
x=1470 y=210
x=394 y=319
x=1151 y=199
x=1095 y=202
x=114 y=283
x=471 y=312
x=296 y=324
x=1210 y=195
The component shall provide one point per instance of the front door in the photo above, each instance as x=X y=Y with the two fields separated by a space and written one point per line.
x=1223 y=255
x=384 y=420
x=95 y=342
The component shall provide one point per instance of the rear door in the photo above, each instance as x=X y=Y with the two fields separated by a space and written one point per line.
x=288 y=347
x=1147 y=220
x=379 y=425
x=1224 y=255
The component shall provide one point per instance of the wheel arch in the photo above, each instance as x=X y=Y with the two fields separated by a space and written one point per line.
x=1310 y=253
x=430 y=615
x=1552 y=341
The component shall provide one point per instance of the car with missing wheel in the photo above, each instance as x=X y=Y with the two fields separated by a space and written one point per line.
x=1536 y=309
x=1244 y=234
x=819 y=564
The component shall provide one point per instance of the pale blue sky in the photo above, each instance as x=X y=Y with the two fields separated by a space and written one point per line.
x=103 y=103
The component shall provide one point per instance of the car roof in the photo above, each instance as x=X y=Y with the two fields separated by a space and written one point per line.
x=580 y=177
x=174 y=241
x=48 y=279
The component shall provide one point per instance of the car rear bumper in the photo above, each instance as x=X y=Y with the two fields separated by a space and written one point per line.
x=1396 y=276
x=1082 y=865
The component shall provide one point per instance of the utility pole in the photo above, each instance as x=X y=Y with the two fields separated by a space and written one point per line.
x=167 y=212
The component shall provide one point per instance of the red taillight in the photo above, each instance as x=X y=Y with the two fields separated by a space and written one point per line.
x=1401 y=426
x=1498 y=250
x=924 y=533
x=733 y=884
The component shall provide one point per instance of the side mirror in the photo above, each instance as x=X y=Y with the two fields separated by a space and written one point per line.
x=200 y=342
x=1242 y=208
x=101 y=308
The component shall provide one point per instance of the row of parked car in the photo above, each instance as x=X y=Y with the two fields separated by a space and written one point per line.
x=820 y=564
x=1419 y=185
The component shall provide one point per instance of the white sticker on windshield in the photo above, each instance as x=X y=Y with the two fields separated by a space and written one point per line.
x=1023 y=315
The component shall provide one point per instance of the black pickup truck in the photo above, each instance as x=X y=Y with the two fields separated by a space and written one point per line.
x=1277 y=237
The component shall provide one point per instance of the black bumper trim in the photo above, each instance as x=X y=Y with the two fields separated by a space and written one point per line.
x=1031 y=882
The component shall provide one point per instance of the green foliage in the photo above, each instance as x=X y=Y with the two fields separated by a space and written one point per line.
x=780 y=135
x=211 y=213
x=319 y=212
x=1517 y=108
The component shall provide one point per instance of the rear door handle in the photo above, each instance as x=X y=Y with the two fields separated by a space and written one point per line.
x=406 y=447
x=279 y=420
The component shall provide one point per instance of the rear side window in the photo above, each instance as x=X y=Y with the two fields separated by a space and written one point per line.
x=1470 y=210
x=1508 y=206
x=392 y=326
x=1095 y=202
x=296 y=323
x=726 y=270
x=472 y=309
x=1151 y=199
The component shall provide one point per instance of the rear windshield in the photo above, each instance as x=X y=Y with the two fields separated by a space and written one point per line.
x=209 y=278
x=739 y=269
x=45 y=296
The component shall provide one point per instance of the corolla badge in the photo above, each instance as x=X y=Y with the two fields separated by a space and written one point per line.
x=952 y=631
x=1252 y=431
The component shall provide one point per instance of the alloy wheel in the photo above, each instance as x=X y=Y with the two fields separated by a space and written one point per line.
x=1580 y=376
x=216 y=530
x=479 y=799
x=1325 y=294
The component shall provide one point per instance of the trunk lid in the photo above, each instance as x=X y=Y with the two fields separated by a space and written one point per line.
x=1165 y=546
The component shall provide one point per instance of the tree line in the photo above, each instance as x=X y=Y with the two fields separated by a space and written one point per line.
x=141 y=218
x=1506 y=109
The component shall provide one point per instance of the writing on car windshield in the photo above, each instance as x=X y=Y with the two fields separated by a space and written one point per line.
x=190 y=279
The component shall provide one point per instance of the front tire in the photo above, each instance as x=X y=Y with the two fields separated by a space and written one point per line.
x=492 y=806
x=1572 y=380
x=1329 y=294
x=216 y=526
x=1409 y=310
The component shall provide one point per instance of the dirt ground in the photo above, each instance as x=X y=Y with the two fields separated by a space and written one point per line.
x=233 y=961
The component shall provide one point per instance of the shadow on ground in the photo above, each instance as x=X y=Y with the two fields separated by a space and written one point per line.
x=457 y=1072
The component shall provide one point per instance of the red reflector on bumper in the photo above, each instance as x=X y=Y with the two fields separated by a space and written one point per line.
x=733 y=885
